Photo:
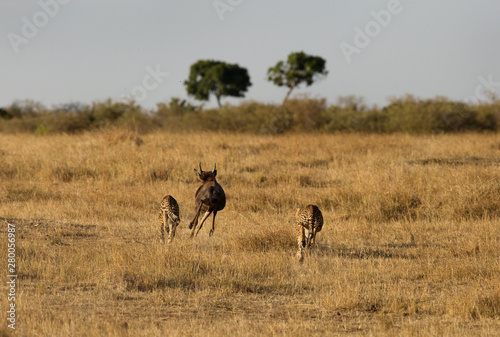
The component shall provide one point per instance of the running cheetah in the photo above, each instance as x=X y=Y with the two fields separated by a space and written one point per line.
x=169 y=217
x=309 y=222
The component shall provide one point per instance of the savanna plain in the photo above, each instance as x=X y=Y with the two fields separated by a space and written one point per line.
x=410 y=244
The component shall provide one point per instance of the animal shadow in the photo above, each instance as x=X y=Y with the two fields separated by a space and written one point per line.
x=360 y=253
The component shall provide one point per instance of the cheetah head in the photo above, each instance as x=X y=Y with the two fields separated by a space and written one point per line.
x=310 y=234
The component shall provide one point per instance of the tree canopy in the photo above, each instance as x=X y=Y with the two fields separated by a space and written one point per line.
x=208 y=77
x=299 y=68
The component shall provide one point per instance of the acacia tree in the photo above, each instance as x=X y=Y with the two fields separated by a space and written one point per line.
x=299 y=68
x=208 y=77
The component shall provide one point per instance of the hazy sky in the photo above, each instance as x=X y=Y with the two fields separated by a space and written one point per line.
x=61 y=51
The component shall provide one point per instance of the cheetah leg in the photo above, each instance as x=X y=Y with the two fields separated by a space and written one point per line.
x=313 y=239
x=213 y=225
x=310 y=234
x=194 y=223
x=301 y=239
x=301 y=243
x=171 y=233
x=162 y=227
x=205 y=216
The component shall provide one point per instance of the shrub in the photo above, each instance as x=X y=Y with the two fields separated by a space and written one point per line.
x=405 y=114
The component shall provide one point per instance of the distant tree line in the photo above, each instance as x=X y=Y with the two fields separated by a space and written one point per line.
x=349 y=114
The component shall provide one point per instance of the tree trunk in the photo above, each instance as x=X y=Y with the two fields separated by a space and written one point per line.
x=288 y=94
x=218 y=101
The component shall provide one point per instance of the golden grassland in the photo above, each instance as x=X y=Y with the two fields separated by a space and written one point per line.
x=410 y=245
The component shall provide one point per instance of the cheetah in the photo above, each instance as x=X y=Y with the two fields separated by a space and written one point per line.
x=169 y=217
x=309 y=222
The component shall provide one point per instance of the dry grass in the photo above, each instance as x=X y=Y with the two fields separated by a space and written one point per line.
x=410 y=245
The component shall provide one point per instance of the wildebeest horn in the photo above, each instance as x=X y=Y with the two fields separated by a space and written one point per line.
x=200 y=168
x=215 y=167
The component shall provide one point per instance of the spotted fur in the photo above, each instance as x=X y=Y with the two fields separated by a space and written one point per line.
x=309 y=223
x=169 y=217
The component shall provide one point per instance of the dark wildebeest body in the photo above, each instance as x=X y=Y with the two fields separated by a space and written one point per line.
x=210 y=197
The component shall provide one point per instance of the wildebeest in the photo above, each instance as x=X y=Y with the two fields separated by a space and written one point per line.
x=210 y=197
